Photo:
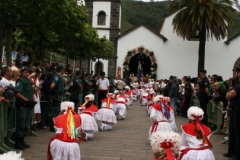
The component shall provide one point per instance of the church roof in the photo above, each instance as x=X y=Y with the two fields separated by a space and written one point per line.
x=232 y=38
x=147 y=27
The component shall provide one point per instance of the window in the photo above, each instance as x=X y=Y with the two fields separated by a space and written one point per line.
x=101 y=18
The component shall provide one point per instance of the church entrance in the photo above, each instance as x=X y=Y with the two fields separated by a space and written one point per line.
x=145 y=63
x=140 y=57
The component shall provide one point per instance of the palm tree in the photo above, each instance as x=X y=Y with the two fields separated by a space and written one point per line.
x=210 y=18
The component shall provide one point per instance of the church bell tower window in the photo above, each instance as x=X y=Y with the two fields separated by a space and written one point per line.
x=101 y=18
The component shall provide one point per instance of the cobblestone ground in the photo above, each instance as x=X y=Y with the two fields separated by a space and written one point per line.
x=127 y=141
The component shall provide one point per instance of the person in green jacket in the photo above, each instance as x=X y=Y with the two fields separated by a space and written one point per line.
x=24 y=108
x=56 y=90
x=77 y=89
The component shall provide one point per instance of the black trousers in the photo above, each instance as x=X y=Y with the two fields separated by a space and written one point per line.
x=203 y=104
x=101 y=96
x=187 y=103
x=234 y=134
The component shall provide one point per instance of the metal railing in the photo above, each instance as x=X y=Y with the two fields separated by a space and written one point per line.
x=8 y=125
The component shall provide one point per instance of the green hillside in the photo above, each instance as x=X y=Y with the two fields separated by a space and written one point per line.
x=151 y=13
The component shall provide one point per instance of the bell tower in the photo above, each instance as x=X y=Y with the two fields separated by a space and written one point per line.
x=105 y=16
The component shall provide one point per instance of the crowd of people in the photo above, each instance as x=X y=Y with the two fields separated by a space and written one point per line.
x=56 y=94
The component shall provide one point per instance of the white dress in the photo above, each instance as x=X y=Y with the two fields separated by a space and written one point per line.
x=156 y=116
x=189 y=141
x=121 y=107
x=37 y=107
x=107 y=114
x=88 y=122
x=61 y=150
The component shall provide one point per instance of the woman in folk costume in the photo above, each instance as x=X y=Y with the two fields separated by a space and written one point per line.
x=134 y=93
x=150 y=101
x=106 y=113
x=86 y=112
x=160 y=117
x=11 y=155
x=165 y=145
x=165 y=102
x=121 y=101
x=195 y=137
x=128 y=95
x=65 y=144
x=143 y=98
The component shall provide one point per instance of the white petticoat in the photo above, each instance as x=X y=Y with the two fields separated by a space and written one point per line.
x=198 y=155
x=173 y=125
x=122 y=110
x=149 y=109
x=88 y=123
x=162 y=126
x=144 y=102
x=65 y=150
x=106 y=115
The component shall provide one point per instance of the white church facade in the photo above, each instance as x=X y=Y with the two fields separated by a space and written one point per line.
x=163 y=52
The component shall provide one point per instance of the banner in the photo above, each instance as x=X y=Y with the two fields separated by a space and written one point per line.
x=118 y=72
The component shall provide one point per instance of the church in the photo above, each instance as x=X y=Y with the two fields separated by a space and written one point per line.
x=159 y=53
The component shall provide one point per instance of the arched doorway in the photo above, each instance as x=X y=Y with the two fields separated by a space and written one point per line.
x=145 y=57
x=145 y=62
x=98 y=67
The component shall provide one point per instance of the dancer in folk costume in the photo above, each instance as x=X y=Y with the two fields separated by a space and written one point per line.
x=87 y=112
x=149 y=106
x=143 y=98
x=165 y=102
x=150 y=97
x=11 y=155
x=128 y=95
x=65 y=144
x=195 y=137
x=160 y=117
x=106 y=113
x=121 y=101
x=165 y=145
x=134 y=93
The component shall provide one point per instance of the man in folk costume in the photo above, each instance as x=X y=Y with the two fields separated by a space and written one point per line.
x=65 y=144
x=165 y=102
x=121 y=101
x=106 y=113
x=128 y=95
x=195 y=137
x=160 y=117
x=143 y=99
x=165 y=145
x=87 y=112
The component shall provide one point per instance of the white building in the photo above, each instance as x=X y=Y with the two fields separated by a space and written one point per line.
x=175 y=56
x=171 y=54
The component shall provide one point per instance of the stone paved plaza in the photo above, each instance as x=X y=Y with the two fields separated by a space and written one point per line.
x=127 y=141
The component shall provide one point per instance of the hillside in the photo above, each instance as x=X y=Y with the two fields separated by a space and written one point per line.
x=151 y=13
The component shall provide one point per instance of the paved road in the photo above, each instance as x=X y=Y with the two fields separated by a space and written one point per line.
x=127 y=141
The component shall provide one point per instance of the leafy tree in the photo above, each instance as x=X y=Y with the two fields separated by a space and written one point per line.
x=211 y=18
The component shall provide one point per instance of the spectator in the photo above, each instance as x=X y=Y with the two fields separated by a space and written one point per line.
x=44 y=101
x=234 y=130
x=57 y=90
x=103 y=88
x=24 y=94
x=204 y=95
x=174 y=94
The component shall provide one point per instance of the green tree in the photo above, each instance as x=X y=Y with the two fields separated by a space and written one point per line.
x=210 y=18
